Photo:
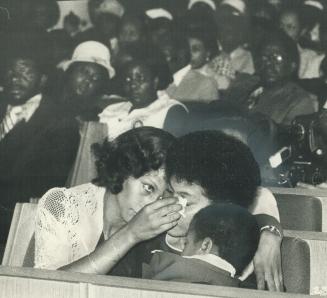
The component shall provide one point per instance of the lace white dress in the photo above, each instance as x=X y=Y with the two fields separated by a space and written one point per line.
x=69 y=224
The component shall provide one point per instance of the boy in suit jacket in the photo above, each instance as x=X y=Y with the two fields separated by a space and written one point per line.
x=221 y=241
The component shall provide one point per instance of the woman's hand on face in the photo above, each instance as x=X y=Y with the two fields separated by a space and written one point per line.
x=154 y=219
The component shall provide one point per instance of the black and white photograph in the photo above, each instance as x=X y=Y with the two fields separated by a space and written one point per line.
x=163 y=148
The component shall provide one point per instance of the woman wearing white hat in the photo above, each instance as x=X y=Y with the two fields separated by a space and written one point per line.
x=86 y=78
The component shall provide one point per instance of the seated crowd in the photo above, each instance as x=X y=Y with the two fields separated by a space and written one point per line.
x=194 y=102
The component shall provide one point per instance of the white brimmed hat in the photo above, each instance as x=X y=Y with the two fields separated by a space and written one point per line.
x=111 y=6
x=313 y=3
x=211 y=3
x=94 y=52
x=239 y=5
x=157 y=13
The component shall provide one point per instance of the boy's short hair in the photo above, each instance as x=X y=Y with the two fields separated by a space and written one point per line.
x=232 y=228
x=222 y=165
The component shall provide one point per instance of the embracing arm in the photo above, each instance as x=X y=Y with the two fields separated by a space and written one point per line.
x=149 y=222
x=106 y=255
x=267 y=260
x=54 y=247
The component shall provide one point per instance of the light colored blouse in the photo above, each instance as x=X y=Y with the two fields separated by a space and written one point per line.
x=69 y=223
x=190 y=85
x=120 y=117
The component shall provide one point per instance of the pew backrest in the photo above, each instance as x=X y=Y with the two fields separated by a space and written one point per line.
x=302 y=210
x=83 y=170
x=304 y=262
x=28 y=283
x=20 y=234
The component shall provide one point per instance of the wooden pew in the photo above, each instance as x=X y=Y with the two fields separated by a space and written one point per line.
x=83 y=170
x=32 y=283
x=304 y=261
x=304 y=254
x=302 y=209
x=20 y=234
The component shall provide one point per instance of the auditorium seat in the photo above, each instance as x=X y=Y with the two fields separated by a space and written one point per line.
x=20 y=234
x=302 y=210
x=304 y=254
x=83 y=170
x=304 y=262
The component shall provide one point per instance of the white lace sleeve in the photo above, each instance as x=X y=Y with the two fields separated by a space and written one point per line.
x=69 y=223
x=52 y=243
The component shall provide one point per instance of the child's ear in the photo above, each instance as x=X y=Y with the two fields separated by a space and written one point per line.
x=206 y=246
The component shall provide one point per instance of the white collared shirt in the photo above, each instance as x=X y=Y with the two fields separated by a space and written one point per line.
x=215 y=261
x=26 y=110
x=179 y=75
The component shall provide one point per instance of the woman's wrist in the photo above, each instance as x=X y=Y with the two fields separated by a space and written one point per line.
x=131 y=236
x=265 y=220
x=269 y=237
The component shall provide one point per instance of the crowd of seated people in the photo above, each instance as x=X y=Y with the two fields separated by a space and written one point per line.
x=193 y=101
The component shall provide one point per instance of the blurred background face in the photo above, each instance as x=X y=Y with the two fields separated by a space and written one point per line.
x=230 y=34
x=139 y=85
x=160 y=31
x=44 y=14
x=22 y=80
x=290 y=24
x=198 y=52
x=86 y=79
x=272 y=65
x=130 y=32
x=176 y=51
x=107 y=24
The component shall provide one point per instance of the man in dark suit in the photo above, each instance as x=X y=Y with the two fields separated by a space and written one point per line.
x=38 y=138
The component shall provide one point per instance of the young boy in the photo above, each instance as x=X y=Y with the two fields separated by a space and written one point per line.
x=221 y=241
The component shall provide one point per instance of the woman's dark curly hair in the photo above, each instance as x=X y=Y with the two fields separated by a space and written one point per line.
x=223 y=166
x=132 y=154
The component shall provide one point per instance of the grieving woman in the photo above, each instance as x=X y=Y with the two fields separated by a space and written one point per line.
x=89 y=228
